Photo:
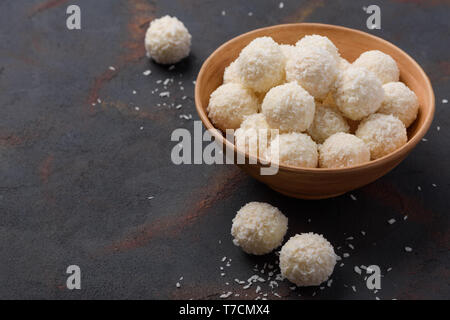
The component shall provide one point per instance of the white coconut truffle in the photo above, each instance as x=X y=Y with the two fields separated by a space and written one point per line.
x=400 y=101
x=319 y=41
x=258 y=228
x=343 y=150
x=294 y=149
x=307 y=259
x=343 y=64
x=314 y=68
x=231 y=74
x=358 y=93
x=288 y=107
x=382 y=133
x=381 y=64
x=261 y=64
x=254 y=135
x=288 y=50
x=327 y=121
x=167 y=40
x=229 y=104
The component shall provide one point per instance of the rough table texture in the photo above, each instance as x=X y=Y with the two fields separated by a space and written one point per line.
x=76 y=173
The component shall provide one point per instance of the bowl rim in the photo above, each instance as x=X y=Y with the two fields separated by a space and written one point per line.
x=405 y=149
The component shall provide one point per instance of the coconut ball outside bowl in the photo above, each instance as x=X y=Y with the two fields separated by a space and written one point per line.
x=320 y=183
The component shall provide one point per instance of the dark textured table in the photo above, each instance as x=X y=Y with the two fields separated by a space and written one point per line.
x=81 y=155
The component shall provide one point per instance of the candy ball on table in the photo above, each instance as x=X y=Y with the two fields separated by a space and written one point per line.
x=294 y=149
x=343 y=150
x=289 y=107
x=307 y=259
x=382 y=133
x=314 y=68
x=229 y=104
x=381 y=64
x=167 y=40
x=400 y=101
x=358 y=93
x=261 y=64
x=258 y=228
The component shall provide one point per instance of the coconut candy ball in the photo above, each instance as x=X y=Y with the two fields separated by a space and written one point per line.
x=343 y=64
x=307 y=259
x=314 y=68
x=258 y=228
x=288 y=50
x=343 y=150
x=294 y=149
x=327 y=121
x=381 y=64
x=230 y=74
x=382 y=133
x=288 y=107
x=167 y=40
x=358 y=93
x=261 y=64
x=319 y=41
x=254 y=135
x=400 y=101
x=229 y=104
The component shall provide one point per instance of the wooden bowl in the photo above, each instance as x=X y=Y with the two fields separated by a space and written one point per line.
x=319 y=183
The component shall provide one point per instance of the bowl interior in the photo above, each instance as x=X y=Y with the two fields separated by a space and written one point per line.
x=351 y=43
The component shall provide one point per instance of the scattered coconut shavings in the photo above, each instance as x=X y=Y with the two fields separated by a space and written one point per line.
x=147 y=72
x=438 y=128
x=222 y=274
x=351 y=246
x=181 y=278
x=112 y=68
x=224 y=258
x=99 y=101
x=349 y=238
x=391 y=221
x=150 y=197
x=363 y=232
x=186 y=117
x=419 y=188
x=405 y=217
x=346 y=255
x=165 y=94
x=424 y=139
x=408 y=249
x=329 y=282
x=357 y=270
x=341 y=265
x=354 y=288
x=134 y=91
x=141 y=128
x=281 y=5
x=434 y=185
x=353 y=197
x=136 y=108
x=250 y=14
x=225 y=295
x=223 y=12
x=389 y=269
x=178 y=106
x=171 y=67
x=444 y=101
x=178 y=285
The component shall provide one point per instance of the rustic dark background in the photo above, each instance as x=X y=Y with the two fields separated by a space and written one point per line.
x=75 y=177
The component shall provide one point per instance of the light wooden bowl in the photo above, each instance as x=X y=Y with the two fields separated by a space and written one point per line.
x=319 y=183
